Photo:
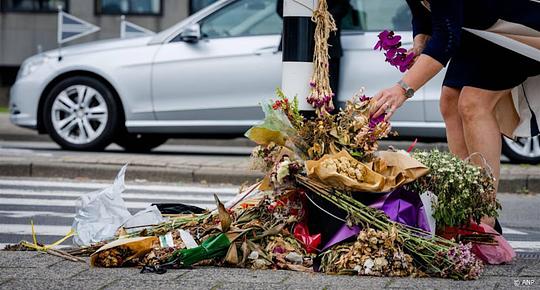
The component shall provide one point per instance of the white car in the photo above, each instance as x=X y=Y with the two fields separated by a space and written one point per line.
x=205 y=75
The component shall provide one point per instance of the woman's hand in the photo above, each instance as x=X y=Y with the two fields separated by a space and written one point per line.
x=388 y=101
x=420 y=42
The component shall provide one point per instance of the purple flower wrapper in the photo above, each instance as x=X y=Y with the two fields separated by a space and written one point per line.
x=400 y=205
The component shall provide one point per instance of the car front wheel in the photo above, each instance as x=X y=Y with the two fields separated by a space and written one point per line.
x=80 y=113
x=522 y=150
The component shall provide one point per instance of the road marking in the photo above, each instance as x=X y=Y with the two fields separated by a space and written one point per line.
x=74 y=203
x=509 y=231
x=149 y=196
x=45 y=230
x=94 y=186
x=33 y=213
x=525 y=246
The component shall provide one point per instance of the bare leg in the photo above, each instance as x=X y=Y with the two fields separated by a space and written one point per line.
x=480 y=127
x=452 y=119
x=481 y=130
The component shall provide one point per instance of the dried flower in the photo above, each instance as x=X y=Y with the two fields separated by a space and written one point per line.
x=460 y=262
x=374 y=253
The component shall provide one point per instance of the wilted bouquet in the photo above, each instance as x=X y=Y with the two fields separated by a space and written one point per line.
x=351 y=129
x=464 y=191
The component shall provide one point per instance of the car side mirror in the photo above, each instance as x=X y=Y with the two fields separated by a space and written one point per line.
x=192 y=33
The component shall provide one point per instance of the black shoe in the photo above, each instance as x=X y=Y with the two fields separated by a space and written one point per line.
x=498 y=227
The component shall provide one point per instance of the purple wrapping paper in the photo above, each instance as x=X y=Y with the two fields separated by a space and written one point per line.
x=400 y=205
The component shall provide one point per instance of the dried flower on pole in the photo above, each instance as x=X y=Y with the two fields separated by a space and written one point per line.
x=321 y=92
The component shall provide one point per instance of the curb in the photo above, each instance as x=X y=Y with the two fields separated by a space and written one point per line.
x=518 y=183
x=134 y=172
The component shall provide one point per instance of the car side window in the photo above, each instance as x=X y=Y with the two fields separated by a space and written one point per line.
x=378 y=15
x=243 y=18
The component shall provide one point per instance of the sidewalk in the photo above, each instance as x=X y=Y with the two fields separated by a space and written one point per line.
x=32 y=270
x=212 y=161
x=175 y=167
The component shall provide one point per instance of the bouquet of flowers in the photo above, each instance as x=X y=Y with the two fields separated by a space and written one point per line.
x=465 y=192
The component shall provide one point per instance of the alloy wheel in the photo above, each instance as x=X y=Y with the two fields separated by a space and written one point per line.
x=79 y=114
x=526 y=147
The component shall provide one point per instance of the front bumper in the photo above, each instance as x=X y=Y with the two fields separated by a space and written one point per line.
x=24 y=101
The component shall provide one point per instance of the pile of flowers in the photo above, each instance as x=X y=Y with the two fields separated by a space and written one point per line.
x=268 y=230
x=267 y=227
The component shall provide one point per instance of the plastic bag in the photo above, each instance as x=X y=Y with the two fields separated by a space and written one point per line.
x=277 y=128
x=274 y=128
x=101 y=213
x=145 y=218
x=494 y=254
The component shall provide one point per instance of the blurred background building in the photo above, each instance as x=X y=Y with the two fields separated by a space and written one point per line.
x=30 y=26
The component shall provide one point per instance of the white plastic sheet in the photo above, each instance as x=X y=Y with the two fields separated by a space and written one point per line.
x=101 y=213
x=429 y=199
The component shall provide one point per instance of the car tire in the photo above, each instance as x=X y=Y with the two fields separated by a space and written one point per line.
x=523 y=150
x=140 y=143
x=81 y=113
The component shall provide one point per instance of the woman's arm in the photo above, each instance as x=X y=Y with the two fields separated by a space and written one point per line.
x=389 y=100
x=421 y=18
x=447 y=22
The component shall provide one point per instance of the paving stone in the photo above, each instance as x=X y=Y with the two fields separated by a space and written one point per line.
x=165 y=284
x=336 y=281
x=441 y=284
x=532 y=269
x=250 y=286
x=358 y=283
x=509 y=270
x=39 y=273
x=528 y=283
x=10 y=259
x=235 y=275
x=47 y=283
x=132 y=273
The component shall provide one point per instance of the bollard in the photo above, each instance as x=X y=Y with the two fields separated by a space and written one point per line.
x=298 y=49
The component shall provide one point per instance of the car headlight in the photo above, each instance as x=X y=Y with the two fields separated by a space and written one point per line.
x=31 y=65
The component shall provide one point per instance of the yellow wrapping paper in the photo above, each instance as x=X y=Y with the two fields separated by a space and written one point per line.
x=389 y=171
x=140 y=246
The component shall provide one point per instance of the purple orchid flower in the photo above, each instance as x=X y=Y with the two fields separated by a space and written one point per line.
x=387 y=40
x=403 y=61
x=392 y=53
x=364 y=98
x=373 y=122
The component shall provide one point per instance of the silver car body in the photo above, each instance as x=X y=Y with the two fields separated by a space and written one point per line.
x=212 y=86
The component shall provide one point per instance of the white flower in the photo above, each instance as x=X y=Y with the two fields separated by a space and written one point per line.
x=282 y=170
x=368 y=264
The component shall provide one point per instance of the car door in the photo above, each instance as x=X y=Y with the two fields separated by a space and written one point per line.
x=221 y=79
x=362 y=66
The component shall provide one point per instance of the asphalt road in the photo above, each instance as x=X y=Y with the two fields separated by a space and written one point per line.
x=51 y=204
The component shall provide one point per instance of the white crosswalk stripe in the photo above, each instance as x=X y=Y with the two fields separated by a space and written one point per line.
x=525 y=246
x=52 y=204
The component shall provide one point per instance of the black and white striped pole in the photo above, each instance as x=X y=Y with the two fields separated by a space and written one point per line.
x=298 y=49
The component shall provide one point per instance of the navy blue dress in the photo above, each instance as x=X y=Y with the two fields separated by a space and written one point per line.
x=474 y=61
